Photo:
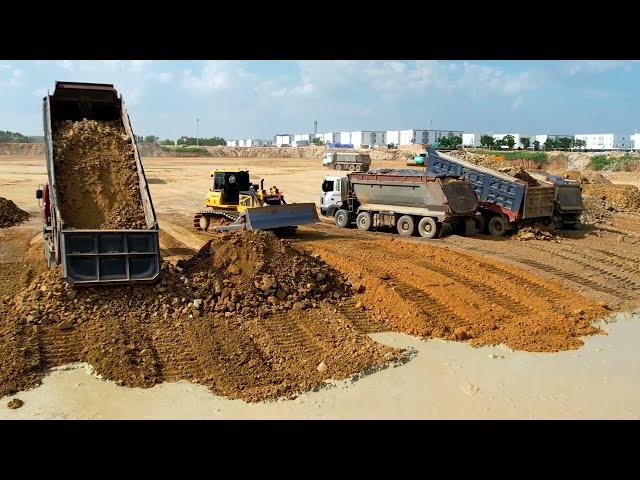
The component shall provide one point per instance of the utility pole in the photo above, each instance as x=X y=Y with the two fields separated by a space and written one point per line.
x=197 y=127
x=315 y=127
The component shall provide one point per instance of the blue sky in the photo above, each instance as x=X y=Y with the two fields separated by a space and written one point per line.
x=237 y=99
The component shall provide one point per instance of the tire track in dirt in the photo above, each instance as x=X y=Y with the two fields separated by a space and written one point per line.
x=57 y=347
x=569 y=255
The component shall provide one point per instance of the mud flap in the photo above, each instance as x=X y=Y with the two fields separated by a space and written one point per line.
x=274 y=217
x=470 y=228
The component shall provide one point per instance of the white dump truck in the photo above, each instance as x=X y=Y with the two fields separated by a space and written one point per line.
x=352 y=161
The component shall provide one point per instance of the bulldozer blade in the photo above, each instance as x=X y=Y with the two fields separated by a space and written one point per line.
x=280 y=216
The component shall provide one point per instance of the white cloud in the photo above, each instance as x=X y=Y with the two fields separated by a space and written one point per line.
x=10 y=76
x=517 y=102
x=216 y=76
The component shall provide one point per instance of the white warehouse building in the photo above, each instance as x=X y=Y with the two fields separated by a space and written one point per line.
x=635 y=141
x=472 y=139
x=368 y=137
x=330 y=137
x=303 y=139
x=232 y=143
x=283 y=139
x=409 y=137
x=345 y=138
x=605 y=141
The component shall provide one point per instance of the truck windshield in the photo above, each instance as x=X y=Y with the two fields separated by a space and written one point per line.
x=327 y=186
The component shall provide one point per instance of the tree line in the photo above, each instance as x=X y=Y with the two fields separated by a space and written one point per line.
x=211 y=142
x=562 y=143
x=16 y=137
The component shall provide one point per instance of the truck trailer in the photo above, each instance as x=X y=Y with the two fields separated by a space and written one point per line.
x=505 y=202
x=411 y=204
x=92 y=256
x=355 y=162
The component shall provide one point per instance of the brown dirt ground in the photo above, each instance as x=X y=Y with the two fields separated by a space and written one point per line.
x=422 y=289
x=97 y=179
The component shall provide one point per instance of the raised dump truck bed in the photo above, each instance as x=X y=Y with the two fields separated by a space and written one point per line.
x=505 y=201
x=91 y=256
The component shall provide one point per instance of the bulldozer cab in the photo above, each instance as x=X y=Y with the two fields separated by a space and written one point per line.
x=230 y=184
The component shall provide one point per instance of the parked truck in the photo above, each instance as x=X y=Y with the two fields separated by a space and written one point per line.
x=505 y=202
x=355 y=162
x=90 y=256
x=409 y=203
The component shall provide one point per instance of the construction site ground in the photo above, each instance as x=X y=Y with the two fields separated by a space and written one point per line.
x=495 y=328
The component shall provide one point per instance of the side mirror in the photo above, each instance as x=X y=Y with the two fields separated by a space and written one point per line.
x=39 y=194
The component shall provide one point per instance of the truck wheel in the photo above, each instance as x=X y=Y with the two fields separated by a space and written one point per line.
x=338 y=167
x=352 y=167
x=358 y=168
x=363 y=220
x=341 y=218
x=427 y=227
x=406 y=226
x=497 y=226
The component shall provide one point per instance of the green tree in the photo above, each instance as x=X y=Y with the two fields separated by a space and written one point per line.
x=499 y=143
x=580 y=144
x=317 y=141
x=509 y=141
x=167 y=142
x=151 y=139
x=563 y=143
x=536 y=145
x=549 y=144
x=487 y=141
x=526 y=142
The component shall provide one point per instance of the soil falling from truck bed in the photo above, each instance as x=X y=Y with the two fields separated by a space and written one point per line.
x=97 y=177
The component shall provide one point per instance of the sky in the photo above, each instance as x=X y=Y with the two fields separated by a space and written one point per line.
x=258 y=99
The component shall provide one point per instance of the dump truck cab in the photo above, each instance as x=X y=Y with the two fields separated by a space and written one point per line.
x=335 y=190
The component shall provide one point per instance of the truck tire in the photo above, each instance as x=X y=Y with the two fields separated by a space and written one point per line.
x=406 y=226
x=364 y=221
x=427 y=228
x=481 y=224
x=498 y=226
x=338 y=167
x=352 y=167
x=341 y=218
x=358 y=168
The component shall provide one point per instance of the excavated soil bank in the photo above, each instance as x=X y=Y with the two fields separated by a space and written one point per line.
x=433 y=292
x=209 y=325
x=10 y=214
x=499 y=164
x=625 y=198
x=97 y=178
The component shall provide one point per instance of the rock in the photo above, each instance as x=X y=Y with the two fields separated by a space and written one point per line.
x=322 y=367
x=604 y=305
x=389 y=356
x=269 y=282
x=579 y=311
x=358 y=287
x=66 y=325
x=281 y=294
x=15 y=403
x=384 y=276
x=226 y=291
x=71 y=294
x=273 y=300
x=195 y=313
x=197 y=303
x=359 y=306
x=297 y=306
x=460 y=333
x=233 y=269
x=320 y=277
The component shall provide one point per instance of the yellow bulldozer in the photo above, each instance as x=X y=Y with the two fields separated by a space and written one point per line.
x=234 y=203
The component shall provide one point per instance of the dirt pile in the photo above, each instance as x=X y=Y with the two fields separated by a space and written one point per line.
x=256 y=273
x=22 y=149
x=97 y=177
x=596 y=210
x=11 y=214
x=584 y=177
x=624 y=198
x=536 y=232
x=227 y=324
x=499 y=164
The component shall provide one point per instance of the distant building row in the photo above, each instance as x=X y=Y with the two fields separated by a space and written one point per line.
x=594 y=141
x=369 y=138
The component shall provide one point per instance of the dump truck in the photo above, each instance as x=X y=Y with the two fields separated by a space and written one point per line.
x=410 y=203
x=568 y=206
x=239 y=204
x=355 y=162
x=505 y=202
x=94 y=256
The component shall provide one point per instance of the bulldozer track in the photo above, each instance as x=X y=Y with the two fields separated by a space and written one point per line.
x=172 y=366
x=213 y=213
x=289 y=336
x=359 y=319
x=609 y=254
x=577 y=258
x=584 y=282
x=516 y=279
x=57 y=347
x=425 y=303
x=503 y=299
